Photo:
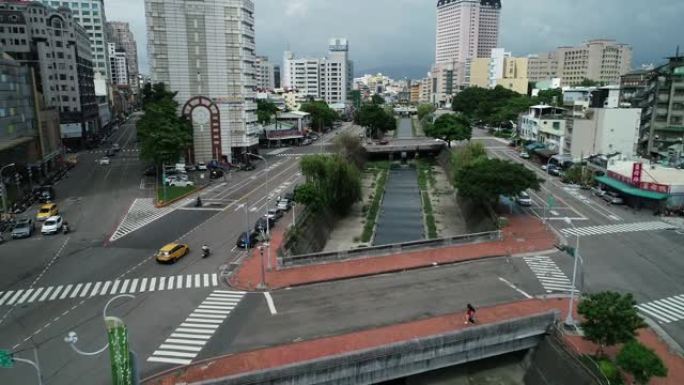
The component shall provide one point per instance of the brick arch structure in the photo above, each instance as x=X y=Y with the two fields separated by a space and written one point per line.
x=214 y=121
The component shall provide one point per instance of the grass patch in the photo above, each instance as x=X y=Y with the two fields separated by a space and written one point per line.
x=374 y=207
x=426 y=178
x=172 y=192
x=429 y=216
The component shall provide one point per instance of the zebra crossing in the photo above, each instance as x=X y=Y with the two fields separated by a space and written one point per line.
x=549 y=274
x=102 y=288
x=122 y=150
x=188 y=339
x=141 y=213
x=666 y=310
x=298 y=155
x=617 y=228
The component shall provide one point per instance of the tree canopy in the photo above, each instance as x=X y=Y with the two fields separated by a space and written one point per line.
x=332 y=183
x=609 y=318
x=377 y=99
x=641 y=362
x=162 y=133
x=424 y=110
x=376 y=119
x=265 y=111
x=321 y=114
x=349 y=147
x=486 y=179
x=465 y=155
x=450 y=127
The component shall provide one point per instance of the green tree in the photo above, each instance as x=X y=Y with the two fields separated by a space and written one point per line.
x=425 y=110
x=590 y=83
x=376 y=120
x=162 y=133
x=265 y=111
x=450 y=127
x=377 y=99
x=321 y=114
x=487 y=179
x=609 y=318
x=468 y=101
x=349 y=147
x=332 y=183
x=641 y=362
x=552 y=97
x=466 y=155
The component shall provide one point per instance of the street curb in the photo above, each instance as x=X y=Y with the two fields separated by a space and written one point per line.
x=169 y=203
x=664 y=336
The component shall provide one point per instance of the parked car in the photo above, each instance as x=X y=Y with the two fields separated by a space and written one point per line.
x=524 y=155
x=23 y=228
x=181 y=182
x=104 y=161
x=554 y=170
x=523 y=199
x=274 y=214
x=172 y=252
x=598 y=192
x=46 y=211
x=260 y=225
x=613 y=198
x=283 y=205
x=52 y=225
x=201 y=166
x=289 y=196
x=44 y=193
x=247 y=240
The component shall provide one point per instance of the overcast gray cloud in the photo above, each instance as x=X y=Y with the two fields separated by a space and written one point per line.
x=392 y=33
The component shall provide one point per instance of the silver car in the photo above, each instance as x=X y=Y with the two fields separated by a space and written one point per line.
x=23 y=228
x=613 y=198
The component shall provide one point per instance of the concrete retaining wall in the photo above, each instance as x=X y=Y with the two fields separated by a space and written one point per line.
x=409 y=357
x=552 y=364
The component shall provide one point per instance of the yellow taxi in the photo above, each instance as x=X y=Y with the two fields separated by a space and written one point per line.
x=46 y=211
x=172 y=252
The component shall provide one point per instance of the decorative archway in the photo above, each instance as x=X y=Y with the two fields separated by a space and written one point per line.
x=214 y=121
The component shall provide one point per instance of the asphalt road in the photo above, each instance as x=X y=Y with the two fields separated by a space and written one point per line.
x=61 y=283
x=619 y=247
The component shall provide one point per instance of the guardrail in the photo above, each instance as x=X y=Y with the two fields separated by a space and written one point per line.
x=287 y=261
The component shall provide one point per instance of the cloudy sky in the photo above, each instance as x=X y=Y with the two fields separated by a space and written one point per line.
x=401 y=33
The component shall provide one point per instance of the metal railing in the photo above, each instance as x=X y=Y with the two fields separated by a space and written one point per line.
x=287 y=261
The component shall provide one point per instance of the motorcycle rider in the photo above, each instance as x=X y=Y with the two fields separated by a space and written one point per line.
x=205 y=251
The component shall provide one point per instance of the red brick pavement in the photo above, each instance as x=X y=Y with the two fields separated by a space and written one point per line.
x=524 y=234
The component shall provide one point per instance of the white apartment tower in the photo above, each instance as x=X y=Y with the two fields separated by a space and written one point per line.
x=329 y=78
x=118 y=65
x=204 y=50
x=265 y=73
x=120 y=33
x=466 y=29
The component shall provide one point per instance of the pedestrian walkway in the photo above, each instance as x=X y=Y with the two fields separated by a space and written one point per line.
x=618 y=228
x=93 y=289
x=141 y=213
x=549 y=274
x=664 y=310
x=187 y=341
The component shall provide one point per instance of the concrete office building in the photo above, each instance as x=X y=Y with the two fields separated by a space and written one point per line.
x=120 y=33
x=329 y=79
x=17 y=116
x=542 y=67
x=58 y=50
x=118 y=65
x=265 y=73
x=212 y=72
x=603 y=131
x=501 y=69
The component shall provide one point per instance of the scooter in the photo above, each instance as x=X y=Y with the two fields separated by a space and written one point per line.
x=65 y=228
x=205 y=251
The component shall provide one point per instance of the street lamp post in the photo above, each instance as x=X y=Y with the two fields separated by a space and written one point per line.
x=3 y=188
x=268 y=200
x=569 y=320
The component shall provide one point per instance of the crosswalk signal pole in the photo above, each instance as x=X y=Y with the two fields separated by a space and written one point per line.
x=569 y=320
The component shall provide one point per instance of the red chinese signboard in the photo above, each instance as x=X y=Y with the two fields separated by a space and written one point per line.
x=636 y=173
x=656 y=187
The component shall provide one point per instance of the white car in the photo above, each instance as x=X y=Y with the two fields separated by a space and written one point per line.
x=181 y=183
x=201 y=166
x=52 y=225
x=525 y=155
x=524 y=199
x=274 y=214
x=103 y=161
x=283 y=205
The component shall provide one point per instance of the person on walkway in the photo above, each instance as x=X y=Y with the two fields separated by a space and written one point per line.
x=470 y=314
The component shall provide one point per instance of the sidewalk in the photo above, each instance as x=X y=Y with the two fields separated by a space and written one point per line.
x=278 y=356
x=525 y=234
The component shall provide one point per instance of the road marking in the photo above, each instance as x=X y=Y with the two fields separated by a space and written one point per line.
x=617 y=228
x=549 y=274
x=271 y=305
x=190 y=337
x=666 y=310
x=512 y=286
x=135 y=285
x=141 y=213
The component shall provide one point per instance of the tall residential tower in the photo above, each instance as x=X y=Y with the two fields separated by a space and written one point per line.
x=120 y=34
x=204 y=50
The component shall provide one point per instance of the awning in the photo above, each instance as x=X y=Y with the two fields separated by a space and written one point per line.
x=532 y=146
x=545 y=152
x=630 y=190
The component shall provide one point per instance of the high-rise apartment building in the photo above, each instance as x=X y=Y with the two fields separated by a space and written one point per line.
x=90 y=14
x=265 y=73
x=204 y=51
x=329 y=78
x=57 y=48
x=501 y=69
x=120 y=33
x=118 y=65
x=466 y=29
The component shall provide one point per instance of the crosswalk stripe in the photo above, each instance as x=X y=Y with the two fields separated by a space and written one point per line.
x=186 y=342
x=550 y=276
x=197 y=280
x=65 y=293
x=54 y=295
x=162 y=283
x=664 y=310
x=190 y=325
x=96 y=288
x=124 y=286
x=141 y=213
x=105 y=287
x=655 y=312
x=134 y=285
x=198 y=315
x=214 y=280
x=4 y=297
x=188 y=280
x=84 y=292
x=170 y=282
x=181 y=347
x=45 y=294
x=179 y=282
x=173 y=354
x=617 y=228
x=191 y=336
x=115 y=286
x=194 y=331
x=15 y=297
x=25 y=296
x=76 y=290
x=169 y=360
x=143 y=285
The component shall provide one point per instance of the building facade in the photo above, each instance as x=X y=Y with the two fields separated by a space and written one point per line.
x=118 y=65
x=603 y=131
x=603 y=61
x=501 y=69
x=120 y=33
x=542 y=67
x=265 y=73
x=52 y=43
x=545 y=125
x=214 y=74
x=466 y=29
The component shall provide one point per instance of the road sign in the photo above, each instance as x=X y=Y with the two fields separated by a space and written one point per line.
x=6 y=360
x=122 y=370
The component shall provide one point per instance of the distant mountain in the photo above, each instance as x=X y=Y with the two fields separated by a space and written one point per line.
x=396 y=71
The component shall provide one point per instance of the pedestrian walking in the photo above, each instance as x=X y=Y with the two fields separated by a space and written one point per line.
x=470 y=314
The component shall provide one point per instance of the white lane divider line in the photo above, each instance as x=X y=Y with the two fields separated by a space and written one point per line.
x=512 y=286
x=271 y=305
